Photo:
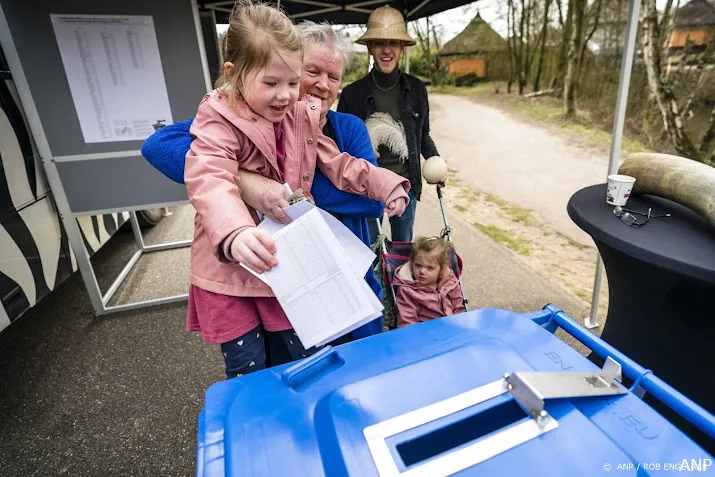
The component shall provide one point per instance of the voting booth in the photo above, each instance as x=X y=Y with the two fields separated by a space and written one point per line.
x=96 y=79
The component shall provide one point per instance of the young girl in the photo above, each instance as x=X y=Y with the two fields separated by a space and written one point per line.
x=253 y=121
x=427 y=287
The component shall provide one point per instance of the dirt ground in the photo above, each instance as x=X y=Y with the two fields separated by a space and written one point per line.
x=556 y=257
x=520 y=162
x=511 y=180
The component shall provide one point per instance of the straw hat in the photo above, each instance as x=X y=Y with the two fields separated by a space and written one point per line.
x=386 y=23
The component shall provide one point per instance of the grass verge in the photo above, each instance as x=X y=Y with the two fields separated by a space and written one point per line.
x=504 y=237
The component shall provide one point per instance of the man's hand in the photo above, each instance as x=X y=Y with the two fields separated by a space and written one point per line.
x=263 y=194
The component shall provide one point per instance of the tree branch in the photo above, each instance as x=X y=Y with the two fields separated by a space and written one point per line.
x=542 y=44
x=510 y=43
x=704 y=59
x=435 y=37
x=534 y=23
x=571 y=80
x=662 y=90
x=528 y=59
x=561 y=14
x=517 y=45
x=708 y=135
x=595 y=24
x=667 y=22
x=522 y=73
x=684 y=59
x=559 y=79
x=597 y=14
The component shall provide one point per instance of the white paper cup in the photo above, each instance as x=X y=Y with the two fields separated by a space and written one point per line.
x=619 y=189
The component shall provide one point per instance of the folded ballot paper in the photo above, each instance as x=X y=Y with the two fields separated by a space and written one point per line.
x=319 y=279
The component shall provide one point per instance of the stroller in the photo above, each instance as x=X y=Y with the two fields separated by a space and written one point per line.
x=393 y=254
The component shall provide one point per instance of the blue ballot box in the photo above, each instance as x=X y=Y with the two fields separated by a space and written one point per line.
x=487 y=393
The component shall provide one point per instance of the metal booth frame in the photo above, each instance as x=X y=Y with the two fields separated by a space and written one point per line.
x=100 y=301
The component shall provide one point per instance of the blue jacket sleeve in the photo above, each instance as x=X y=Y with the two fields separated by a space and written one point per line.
x=327 y=196
x=166 y=149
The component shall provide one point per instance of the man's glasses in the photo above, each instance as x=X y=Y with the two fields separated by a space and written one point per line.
x=629 y=218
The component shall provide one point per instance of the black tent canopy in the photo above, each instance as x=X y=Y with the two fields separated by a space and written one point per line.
x=345 y=12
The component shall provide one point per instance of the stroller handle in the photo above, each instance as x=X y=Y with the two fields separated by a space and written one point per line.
x=446 y=232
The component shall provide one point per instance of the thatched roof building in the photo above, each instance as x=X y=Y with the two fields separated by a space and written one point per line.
x=477 y=38
x=694 y=23
x=695 y=14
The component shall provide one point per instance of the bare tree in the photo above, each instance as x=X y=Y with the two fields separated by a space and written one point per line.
x=510 y=45
x=667 y=23
x=523 y=39
x=517 y=44
x=542 y=42
x=522 y=43
x=566 y=22
x=526 y=55
x=526 y=15
x=574 y=58
x=428 y=47
x=593 y=20
x=661 y=85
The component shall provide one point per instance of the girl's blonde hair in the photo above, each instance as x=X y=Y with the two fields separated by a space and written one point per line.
x=433 y=246
x=254 y=32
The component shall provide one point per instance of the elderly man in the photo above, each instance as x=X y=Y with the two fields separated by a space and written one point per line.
x=389 y=100
x=323 y=63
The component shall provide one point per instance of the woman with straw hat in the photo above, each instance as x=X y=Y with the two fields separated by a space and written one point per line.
x=395 y=108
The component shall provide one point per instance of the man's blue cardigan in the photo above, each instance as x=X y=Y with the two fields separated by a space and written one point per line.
x=166 y=150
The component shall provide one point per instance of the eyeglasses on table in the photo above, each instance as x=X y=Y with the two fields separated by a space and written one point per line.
x=629 y=218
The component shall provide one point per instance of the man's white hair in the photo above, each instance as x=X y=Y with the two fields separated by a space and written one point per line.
x=323 y=35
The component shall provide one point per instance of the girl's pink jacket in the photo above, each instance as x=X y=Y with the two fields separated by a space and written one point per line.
x=231 y=136
x=417 y=302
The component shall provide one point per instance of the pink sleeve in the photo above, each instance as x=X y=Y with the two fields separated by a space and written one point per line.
x=211 y=164
x=225 y=247
x=455 y=295
x=398 y=192
x=350 y=174
x=406 y=307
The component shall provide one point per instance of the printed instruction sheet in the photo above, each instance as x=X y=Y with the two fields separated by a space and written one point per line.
x=115 y=75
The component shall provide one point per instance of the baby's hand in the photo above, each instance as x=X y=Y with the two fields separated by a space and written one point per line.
x=254 y=248
x=396 y=207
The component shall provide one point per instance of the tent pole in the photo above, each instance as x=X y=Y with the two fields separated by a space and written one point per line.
x=620 y=117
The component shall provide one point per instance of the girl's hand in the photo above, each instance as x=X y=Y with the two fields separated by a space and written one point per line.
x=263 y=194
x=396 y=207
x=254 y=248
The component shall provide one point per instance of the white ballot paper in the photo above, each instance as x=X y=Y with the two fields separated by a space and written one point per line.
x=359 y=255
x=319 y=279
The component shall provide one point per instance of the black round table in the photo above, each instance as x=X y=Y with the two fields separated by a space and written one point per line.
x=661 y=284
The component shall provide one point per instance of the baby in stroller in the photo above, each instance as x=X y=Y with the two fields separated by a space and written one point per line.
x=427 y=288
